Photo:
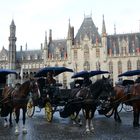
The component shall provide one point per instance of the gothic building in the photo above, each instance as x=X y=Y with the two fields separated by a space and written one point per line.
x=86 y=50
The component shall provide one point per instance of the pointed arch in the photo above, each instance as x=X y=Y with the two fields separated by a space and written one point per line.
x=138 y=64
x=86 y=52
x=119 y=67
x=87 y=66
x=129 y=65
x=111 y=67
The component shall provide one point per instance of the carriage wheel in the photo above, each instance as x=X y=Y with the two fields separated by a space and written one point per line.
x=30 y=108
x=127 y=108
x=109 y=113
x=48 y=111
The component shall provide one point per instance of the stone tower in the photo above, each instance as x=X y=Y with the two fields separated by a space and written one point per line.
x=12 y=51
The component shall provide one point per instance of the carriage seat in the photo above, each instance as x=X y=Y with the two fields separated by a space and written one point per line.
x=127 y=82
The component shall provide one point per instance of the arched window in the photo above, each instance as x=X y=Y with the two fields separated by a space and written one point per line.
x=86 y=52
x=111 y=67
x=119 y=67
x=138 y=64
x=98 y=65
x=86 y=66
x=129 y=65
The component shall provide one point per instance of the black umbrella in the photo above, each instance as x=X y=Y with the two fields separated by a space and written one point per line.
x=97 y=72
x=81 y=74
x=130 y=73
x=54 y=70
x=5 y=72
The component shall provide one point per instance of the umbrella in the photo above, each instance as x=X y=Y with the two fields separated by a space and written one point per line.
x=130 y=73
x=5 y=72
x=54 y=70
x=81 y=74
x=97 y=72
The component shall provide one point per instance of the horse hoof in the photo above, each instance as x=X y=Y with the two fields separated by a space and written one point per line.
x=5 y=124
x=87 y=131
x=11 y=125
x=92 y=130
x=24 y=131
x=136 y=125
x=16 y=133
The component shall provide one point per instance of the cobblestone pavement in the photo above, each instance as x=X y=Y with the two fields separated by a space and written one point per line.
x=63 y=129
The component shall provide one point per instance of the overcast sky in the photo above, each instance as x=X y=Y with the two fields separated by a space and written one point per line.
x=34 y=17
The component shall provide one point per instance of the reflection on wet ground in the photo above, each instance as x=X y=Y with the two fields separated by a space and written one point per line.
x=63 y=129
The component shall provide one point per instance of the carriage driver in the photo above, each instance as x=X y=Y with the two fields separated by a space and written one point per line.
x=50 y=84
x=86 y=81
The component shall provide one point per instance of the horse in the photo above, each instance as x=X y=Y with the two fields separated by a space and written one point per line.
x=129 y=95
x=88 y=99
x=16 y=99
x=6 y=107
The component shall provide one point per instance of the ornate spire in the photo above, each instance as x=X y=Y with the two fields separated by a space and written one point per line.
x=69 y=31
x=45 y=42
x=103 y=28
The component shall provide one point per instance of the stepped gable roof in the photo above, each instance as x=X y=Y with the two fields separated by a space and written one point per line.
x=88 y=28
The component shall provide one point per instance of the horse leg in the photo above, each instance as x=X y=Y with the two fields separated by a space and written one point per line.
x=90 y=121
x=17 y=113
x=116 y=115
x=5 y=122
x=87 y=121
x=10 y=119
x=87 y=126
x=136 y=119
x=24 y=130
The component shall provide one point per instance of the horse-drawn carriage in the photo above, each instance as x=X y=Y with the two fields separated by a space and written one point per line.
x=52 y=96
x=3 y=80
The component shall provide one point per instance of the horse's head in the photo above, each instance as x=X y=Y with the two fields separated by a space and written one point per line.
x=34 y=88
x=107 y=85
x=106 y=89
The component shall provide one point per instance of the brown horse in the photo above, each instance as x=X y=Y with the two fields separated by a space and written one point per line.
x=17 y=99
x=130 y=96
x=88 y=99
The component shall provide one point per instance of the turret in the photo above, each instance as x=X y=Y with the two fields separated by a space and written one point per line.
x=45 y=48
x=12 y=51
x=70 y=41
x=104 y=40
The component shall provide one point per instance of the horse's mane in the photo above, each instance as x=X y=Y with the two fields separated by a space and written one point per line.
x=96 y=88
x=24 y=85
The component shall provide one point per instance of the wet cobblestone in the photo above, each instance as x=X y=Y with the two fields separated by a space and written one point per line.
x=63 y=129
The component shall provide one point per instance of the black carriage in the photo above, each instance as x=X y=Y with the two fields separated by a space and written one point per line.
x=103 y=108
x=3 y=79
x=53 y=96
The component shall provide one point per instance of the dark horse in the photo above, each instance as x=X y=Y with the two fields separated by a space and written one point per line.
x=88 y=99
x=131 y=97
x=16 y=99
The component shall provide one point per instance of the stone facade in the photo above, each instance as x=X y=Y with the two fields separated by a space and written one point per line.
x=87 y=50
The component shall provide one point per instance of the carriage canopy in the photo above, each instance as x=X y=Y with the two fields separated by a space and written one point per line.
x=130 y=73
x=83 y=74
x=5 y=72
x=54 y=70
